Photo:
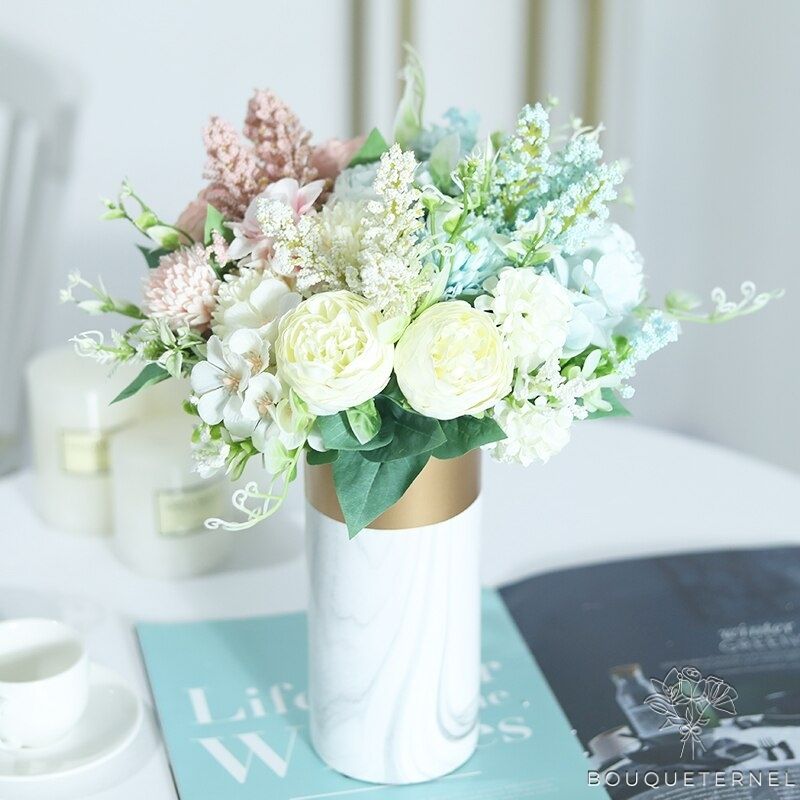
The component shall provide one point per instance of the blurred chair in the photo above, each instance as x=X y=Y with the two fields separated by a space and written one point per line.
x=38 y=105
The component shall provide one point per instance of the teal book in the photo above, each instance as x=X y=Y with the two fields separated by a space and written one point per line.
x=231 y=699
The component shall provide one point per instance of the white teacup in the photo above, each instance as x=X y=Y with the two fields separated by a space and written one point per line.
x=44 y=682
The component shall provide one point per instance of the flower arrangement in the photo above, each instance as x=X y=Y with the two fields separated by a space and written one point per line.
x=374 y=305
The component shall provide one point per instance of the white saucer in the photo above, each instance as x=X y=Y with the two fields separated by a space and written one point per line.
x=110 y=723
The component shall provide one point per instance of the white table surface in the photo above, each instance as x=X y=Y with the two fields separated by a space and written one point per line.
x=618 y=490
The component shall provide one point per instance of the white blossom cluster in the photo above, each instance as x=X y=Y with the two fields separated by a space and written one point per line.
x=371 y=247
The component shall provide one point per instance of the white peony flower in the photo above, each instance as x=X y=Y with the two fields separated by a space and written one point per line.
x=451 y=361
x=330 y=352
x=223 y=376
x=532 y=311
x=534 y=432
x=253 y=300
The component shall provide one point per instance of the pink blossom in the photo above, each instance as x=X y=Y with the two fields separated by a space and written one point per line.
x=331 y=157
x=249 y=238
x=280 y=141
x=182 y=289
x=233 y=169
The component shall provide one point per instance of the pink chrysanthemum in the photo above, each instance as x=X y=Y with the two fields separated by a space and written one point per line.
x=182 y=289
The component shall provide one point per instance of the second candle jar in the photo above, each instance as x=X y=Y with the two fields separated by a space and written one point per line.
x=161 y=504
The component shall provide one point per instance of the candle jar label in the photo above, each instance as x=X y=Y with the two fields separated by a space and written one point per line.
x=84 y=452
x=182 y=512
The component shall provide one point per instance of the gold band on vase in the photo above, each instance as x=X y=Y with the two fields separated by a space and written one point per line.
x=441 y=491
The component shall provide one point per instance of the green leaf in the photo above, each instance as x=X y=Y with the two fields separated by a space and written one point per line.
x=365 y=489
x=338 y=435
x=364 y=421
x=215 y=222
x=682 y=301
x=412 y=434
x=467 y=433
x=617 y=409
x=113 y=213
x=372 y=149
x=152 y=257
x=153 y=373
x=408 y=119
x=443 y=160
x=315 y=458
x=392 y=392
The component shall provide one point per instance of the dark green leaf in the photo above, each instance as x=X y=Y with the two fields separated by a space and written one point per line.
x=152 y=257
x=337 y=434
x=372 y=149
x=465 y=434
x=393 y=393
x=149 y=376
x=367 y=488
x=617 y=409
x=412 y=434
x=315 y=458
x=153 y=373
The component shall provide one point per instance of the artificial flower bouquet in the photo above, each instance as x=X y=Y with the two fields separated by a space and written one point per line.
x=374 y=304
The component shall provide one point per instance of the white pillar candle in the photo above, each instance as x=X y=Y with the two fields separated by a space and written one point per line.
x=161 y=504
x=71 y=423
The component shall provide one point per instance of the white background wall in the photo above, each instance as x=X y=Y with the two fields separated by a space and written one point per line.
x=701 y=96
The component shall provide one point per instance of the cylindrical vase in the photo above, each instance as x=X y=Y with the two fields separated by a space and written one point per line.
x=394 y=627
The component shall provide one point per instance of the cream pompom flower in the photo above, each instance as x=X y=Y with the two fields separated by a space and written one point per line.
x=534 y=432
x=252 y=300
x=532 y=311
x=182 y=289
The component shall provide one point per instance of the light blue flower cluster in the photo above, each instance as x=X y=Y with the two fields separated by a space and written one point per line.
x=475 y=258
x=657 y=331
x=572 y=185
x=457 y=122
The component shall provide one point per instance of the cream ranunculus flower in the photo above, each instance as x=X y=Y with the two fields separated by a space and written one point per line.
x=451 y=361
x=330 y=352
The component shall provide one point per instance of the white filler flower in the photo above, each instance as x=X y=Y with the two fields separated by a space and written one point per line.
x=330 y=352
x=532 y=312
x=533 y=432
x=451 y=361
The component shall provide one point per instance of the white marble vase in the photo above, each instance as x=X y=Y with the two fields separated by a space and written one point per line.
x=394 y=645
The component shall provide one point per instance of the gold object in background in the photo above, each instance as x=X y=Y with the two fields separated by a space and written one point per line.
x=441 y=491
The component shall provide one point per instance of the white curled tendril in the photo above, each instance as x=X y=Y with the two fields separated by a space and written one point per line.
x=683 y=307
x=255 y=504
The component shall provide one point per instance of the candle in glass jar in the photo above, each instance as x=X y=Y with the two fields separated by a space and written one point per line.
x=72 y=421
x=161 y=504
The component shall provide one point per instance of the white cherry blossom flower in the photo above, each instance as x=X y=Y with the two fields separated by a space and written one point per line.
x=223 y=376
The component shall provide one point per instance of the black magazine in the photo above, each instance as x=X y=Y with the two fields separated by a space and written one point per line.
x=680 y=674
